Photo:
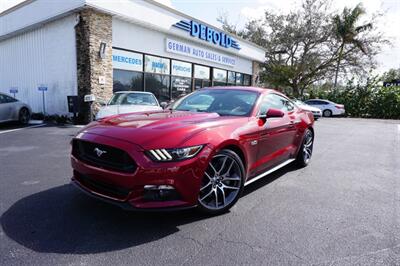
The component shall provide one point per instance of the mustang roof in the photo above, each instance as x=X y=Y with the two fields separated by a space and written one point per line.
x=247 y=88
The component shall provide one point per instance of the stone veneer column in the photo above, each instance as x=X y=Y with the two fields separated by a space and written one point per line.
x=93 y=28
x=256 y=73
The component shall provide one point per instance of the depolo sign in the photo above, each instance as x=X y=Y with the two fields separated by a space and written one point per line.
x=182 y=48
x=208 y=34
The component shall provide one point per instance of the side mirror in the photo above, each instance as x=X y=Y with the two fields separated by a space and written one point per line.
x=163 y=105
x=271 y=113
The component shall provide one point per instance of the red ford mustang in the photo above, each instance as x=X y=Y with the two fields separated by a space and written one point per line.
x=201 y=152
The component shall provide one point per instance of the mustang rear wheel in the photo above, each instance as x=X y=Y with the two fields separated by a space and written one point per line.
x=222 y=183
x=306 y=149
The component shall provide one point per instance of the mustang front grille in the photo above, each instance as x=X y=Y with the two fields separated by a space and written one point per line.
x=103 y=156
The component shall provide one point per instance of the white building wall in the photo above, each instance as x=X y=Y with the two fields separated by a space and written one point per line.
x=44 y=56
x=137 y=38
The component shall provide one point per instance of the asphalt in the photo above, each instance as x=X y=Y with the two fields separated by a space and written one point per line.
x=343 y=209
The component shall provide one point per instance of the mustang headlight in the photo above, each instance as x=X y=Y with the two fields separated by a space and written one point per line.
x=178 y=154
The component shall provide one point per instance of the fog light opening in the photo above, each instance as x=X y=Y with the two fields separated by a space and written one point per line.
x=160 y=193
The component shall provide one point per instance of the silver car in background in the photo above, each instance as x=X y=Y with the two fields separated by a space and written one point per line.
x=315 y=111
x=327 y=107
x=124 y=102
x=12 y=109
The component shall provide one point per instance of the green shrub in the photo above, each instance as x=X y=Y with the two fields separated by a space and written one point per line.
x=364 y=100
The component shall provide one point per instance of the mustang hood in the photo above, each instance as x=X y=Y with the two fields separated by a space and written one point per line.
x=164 y=129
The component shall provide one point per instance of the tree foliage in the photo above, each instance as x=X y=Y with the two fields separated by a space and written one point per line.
x=348 y=32
x=365 y=98
x=391 y=75
x=303 y=46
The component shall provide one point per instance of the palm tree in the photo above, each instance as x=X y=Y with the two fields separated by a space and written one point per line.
x=347 y=31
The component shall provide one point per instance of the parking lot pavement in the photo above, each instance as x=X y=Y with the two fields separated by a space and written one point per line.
x=343 y=209
x=15 y=126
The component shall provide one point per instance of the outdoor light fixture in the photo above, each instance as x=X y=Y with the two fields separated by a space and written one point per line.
x=102 y=50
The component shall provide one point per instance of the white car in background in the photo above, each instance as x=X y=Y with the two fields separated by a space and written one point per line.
x=124 y=102
x=12 y=109
x=327 y=107
x=315 y=111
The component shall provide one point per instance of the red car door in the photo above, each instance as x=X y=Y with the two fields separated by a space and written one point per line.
x=277 y=135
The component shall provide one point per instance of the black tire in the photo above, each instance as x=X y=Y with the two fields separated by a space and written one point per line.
x=233 y=168
x=327 y=113
x=24 y=116
x=305 y=152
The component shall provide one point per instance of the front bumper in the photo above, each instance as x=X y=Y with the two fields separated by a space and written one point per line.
x=127 y=190
x=124 y=205
x=317 y=114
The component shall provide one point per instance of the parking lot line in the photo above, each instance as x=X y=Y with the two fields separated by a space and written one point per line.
x=17 y=129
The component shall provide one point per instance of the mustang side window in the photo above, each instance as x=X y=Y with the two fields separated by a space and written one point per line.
x=272 y=101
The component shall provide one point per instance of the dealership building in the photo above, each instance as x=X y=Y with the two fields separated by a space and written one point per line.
x=53 y=49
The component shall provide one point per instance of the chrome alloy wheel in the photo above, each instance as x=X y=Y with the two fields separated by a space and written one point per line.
x=307 y=146
x=221 y=183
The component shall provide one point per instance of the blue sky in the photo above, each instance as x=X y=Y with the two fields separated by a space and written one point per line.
x=241 y=10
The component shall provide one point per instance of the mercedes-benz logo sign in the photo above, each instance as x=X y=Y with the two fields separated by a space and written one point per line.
x=99 y=152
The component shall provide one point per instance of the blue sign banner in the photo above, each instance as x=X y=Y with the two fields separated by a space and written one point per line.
x=208 y=34
x=127 y=60
x=393 y=83
x=42 y=88
x=13 y=90
x=178 y=47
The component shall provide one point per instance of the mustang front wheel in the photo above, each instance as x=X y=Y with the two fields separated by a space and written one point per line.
x=222 y=183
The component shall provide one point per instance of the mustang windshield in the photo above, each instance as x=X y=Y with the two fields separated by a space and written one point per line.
x=224 y=102
x=132 y=98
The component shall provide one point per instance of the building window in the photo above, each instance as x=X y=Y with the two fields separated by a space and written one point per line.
x=158 y=85
x=219 y=77
x=239 y=79
x=181 y=69
x=154 y=64
x=246 y=80
x=201 y=77
x=124 y=80
x=180 y=87
x=181 y=79
x=201 y=72
x=201 y=83
x=231 y=78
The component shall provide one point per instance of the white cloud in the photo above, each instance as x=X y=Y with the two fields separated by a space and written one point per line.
x=283 y=6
